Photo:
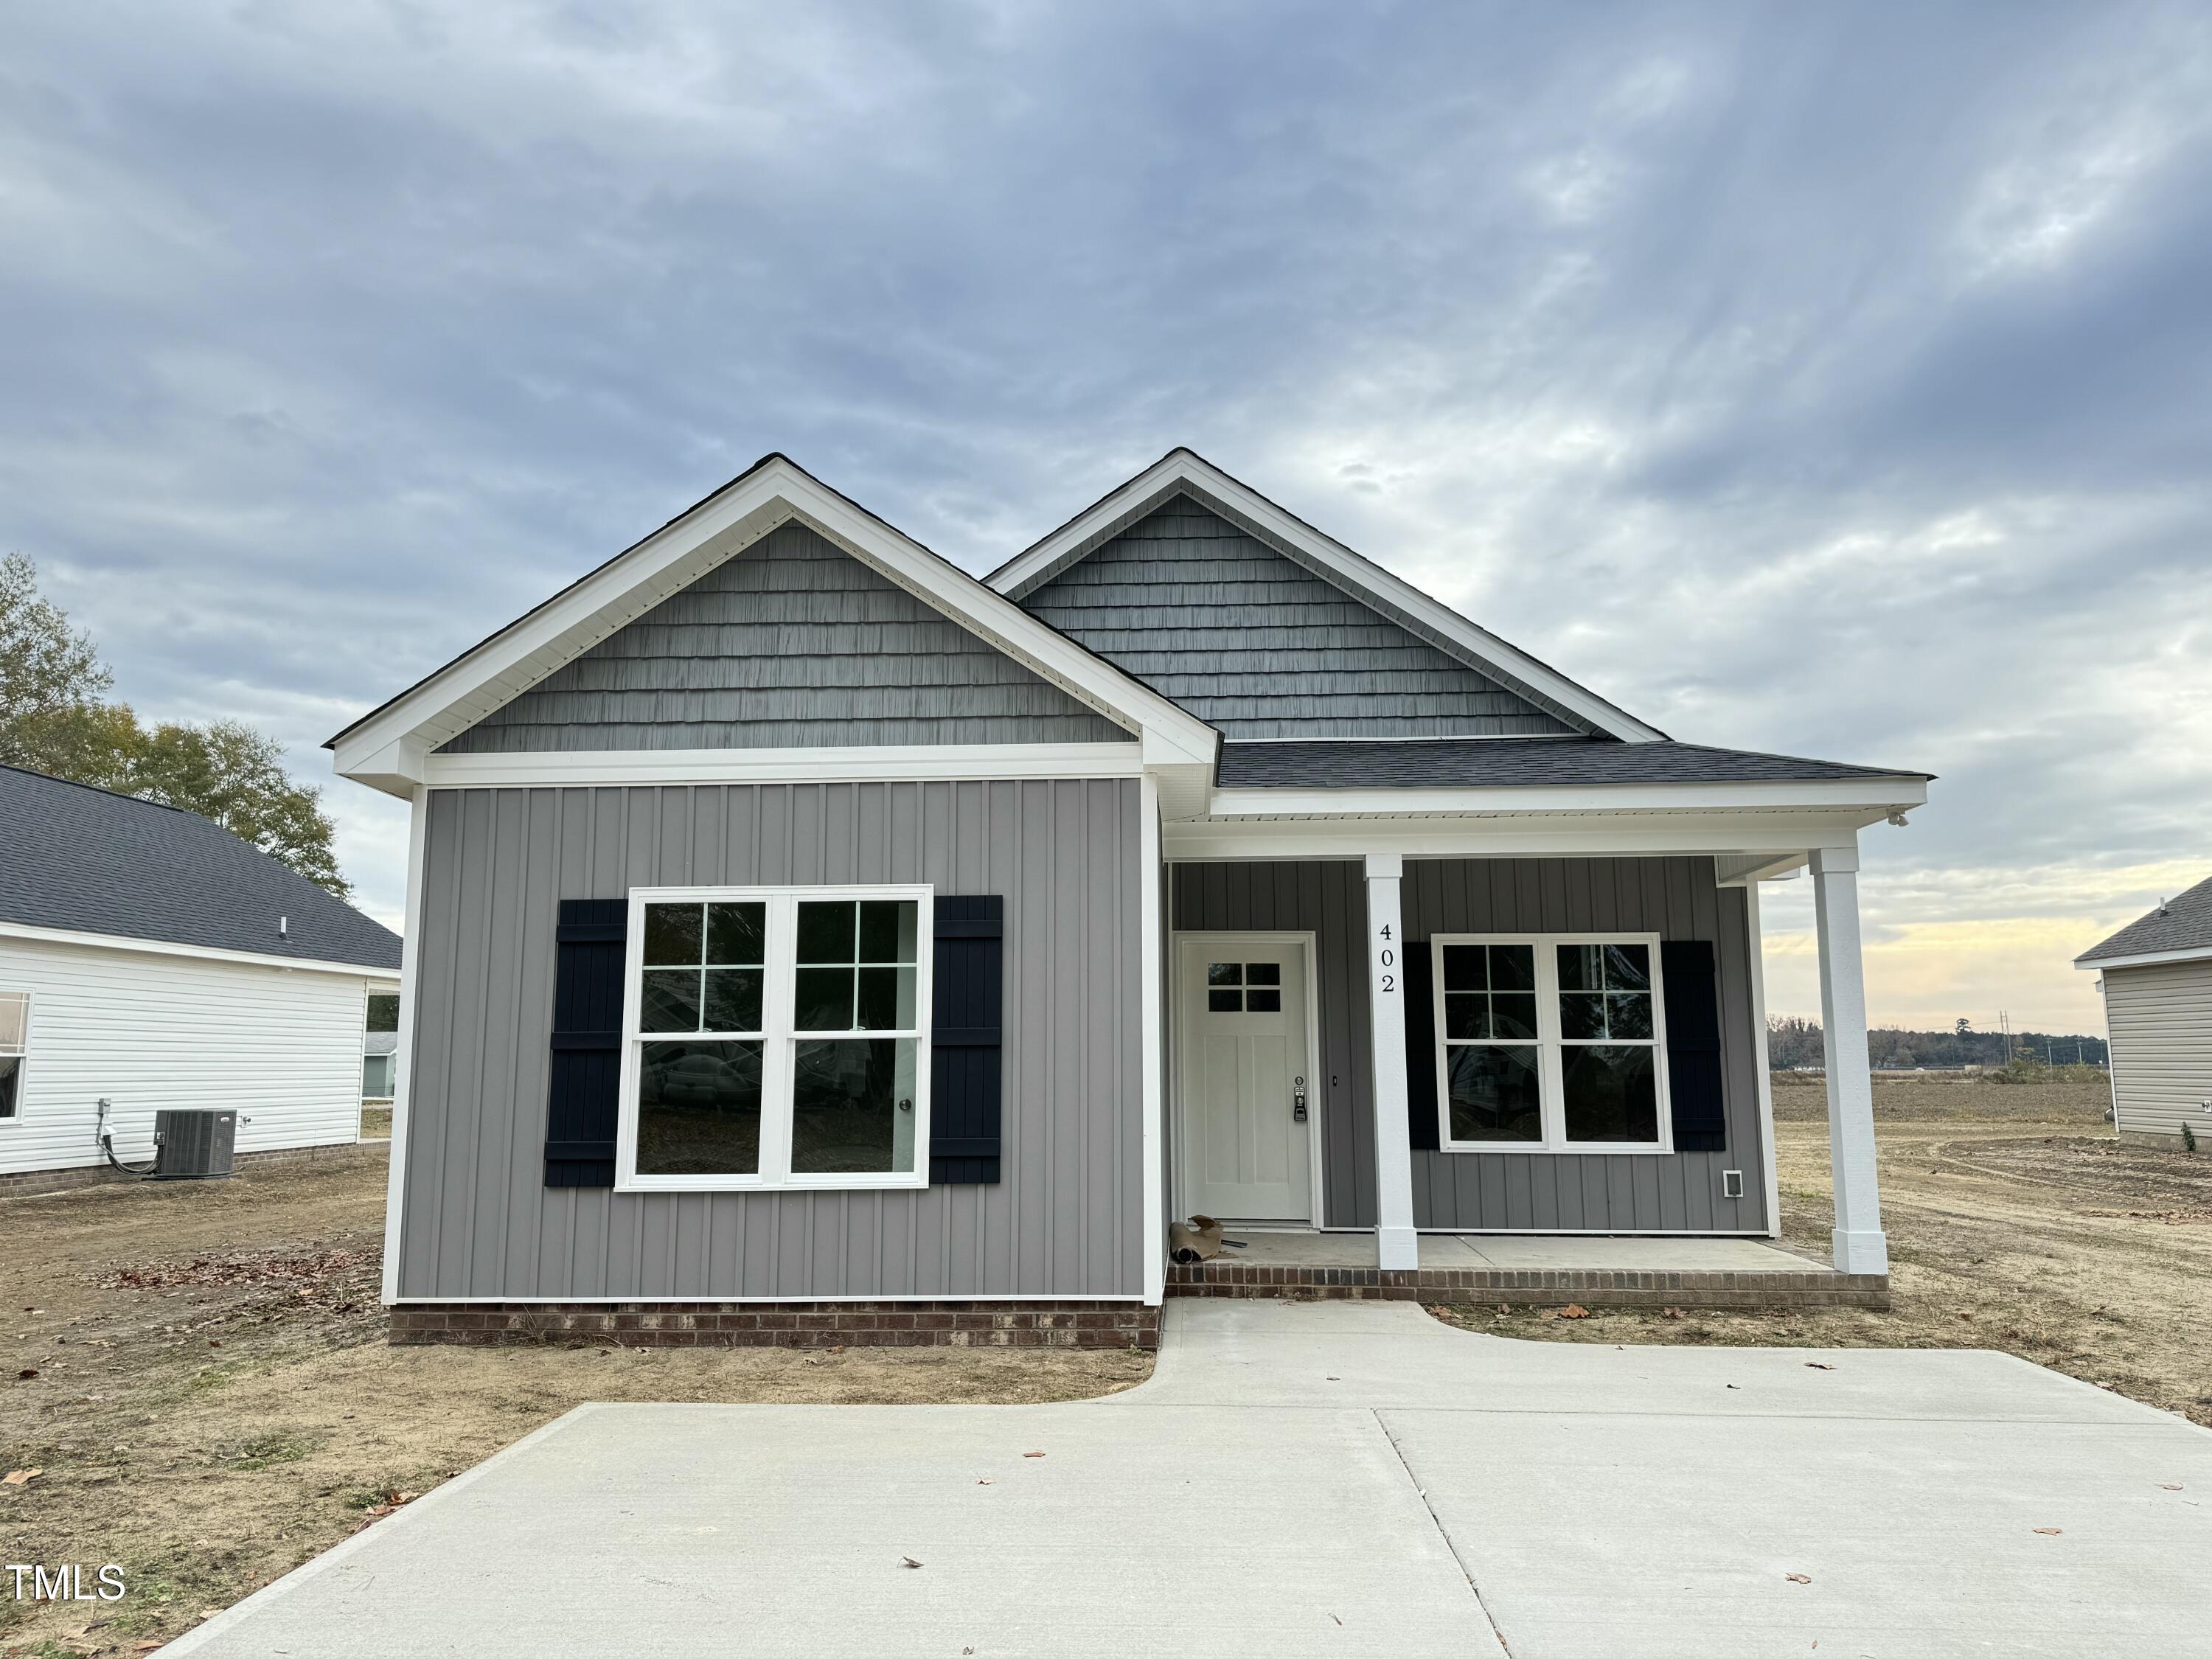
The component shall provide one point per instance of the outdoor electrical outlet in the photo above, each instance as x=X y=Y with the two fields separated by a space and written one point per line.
x=1731 y=1183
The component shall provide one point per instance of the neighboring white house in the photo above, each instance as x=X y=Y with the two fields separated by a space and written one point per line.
x=2157 y=981
x=151 y=958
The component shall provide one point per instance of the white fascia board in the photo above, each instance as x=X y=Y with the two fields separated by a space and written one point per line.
x=1181 y=467
x=2148 y=959
x=1530 y=836
x=524 y=653
x=1881 y=795
x=386 y=977
x=889 y=764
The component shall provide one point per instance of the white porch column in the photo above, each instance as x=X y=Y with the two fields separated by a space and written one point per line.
x=1860 y=1245
x=1396 y=1245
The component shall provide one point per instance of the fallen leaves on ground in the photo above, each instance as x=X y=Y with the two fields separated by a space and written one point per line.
x=20 y=1477
x=1797 y=1577
x=1818 y=1365
x=310 y=1272
x=908 y=1561
x=1033 y=1454
x=2049 y=1532
x=1574 y=1310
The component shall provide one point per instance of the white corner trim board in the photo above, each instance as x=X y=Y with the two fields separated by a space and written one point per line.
x=384 y=977
x=1182 y=466
x=388 y=748
x=965 y=762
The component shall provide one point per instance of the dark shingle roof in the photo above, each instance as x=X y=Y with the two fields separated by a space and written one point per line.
x=2185 y=924
x=1495 y=762
x=84 y=860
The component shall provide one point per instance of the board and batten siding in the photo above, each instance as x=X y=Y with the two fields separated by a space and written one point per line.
x=791 y=644
x=148 y=1030
x=1066 y=1218
x=2158 y=1020
x=1677 y=898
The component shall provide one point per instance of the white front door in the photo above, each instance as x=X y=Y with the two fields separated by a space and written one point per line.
x=1245 y=1092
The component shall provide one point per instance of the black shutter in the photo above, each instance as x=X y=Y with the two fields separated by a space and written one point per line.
x=587 y=1064
x=967 y=976
x=1417 y=978
x=1693 y=1045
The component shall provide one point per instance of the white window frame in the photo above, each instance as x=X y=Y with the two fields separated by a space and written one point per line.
x=21 y=1053
x=777 y=1040
x=1550 y=1046
x=392 y=1079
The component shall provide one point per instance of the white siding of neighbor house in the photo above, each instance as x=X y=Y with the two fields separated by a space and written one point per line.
x=283 y=1046
x=2159 y=1022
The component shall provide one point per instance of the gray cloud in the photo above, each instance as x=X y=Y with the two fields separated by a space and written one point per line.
x=1828 y=380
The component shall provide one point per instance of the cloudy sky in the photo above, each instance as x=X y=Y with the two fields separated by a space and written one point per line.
x=1824 y=379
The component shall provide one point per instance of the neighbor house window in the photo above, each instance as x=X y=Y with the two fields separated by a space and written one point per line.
x=1549 y=1043
x=376 y=1072
x=14 y=1039
x=774 y=1037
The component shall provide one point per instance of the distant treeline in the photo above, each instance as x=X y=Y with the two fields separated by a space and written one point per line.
x=1791 y=1043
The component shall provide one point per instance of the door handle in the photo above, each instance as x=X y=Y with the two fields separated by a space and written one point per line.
x=1297 y=1100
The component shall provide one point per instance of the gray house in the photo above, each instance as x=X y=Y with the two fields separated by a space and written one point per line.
x=2156 y=976
x=803 y=929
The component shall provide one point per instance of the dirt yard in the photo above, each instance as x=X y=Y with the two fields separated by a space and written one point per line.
x=199 y=1373
x=2015 y=1222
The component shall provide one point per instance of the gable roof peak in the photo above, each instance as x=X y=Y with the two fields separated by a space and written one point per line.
x=1183 y=471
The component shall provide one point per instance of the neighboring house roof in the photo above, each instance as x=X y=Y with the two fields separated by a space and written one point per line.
x=379 y=1042
x=74 y=858
x=1183 y=473
x=1485 y=762
x=2178 y=929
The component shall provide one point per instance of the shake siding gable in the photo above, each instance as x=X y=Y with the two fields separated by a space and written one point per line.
x=793 y=643
x=1261 y=648
x=1065 y=1217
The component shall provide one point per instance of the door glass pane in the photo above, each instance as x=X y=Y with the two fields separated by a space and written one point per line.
x=826 y=930
x=852 y=1106
x=734 y=999
x=1224 y=973
x=1494 y=1094
x=735 y=934
x=1263 y=973
x=824 y=999
x=672 y=937
x=1225 y=1002
x=1265 y=1001
x=698 y=1108
x=1611 y=1093
x=670 y=1000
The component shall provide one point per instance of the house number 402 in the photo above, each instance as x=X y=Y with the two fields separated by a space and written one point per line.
x=1386 y=959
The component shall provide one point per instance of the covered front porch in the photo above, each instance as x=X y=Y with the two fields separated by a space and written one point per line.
x=1370 y=921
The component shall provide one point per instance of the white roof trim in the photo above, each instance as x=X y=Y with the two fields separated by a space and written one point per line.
x=1363 y=577
x=893 y=764
x=388 y=748
x=162 y=947
x=2148 y=959
x=1878 y=795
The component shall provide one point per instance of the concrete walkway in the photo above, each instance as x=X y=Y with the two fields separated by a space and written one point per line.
x=1314 y=1479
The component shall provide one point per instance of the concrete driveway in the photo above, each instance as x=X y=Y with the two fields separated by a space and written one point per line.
x=1315 y=1479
